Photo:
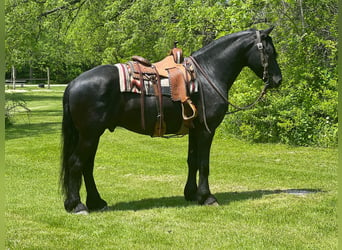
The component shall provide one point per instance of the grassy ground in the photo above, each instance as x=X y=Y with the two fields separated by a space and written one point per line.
x=142 y=180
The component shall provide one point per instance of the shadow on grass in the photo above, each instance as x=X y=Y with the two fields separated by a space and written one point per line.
x=37 y=97
x=53 y=97
x=17 y=131
x=223 y=198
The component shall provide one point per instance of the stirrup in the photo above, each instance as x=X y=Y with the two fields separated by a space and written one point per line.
x=185 y=110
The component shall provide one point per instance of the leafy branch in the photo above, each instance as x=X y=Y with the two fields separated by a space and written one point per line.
x=49 y=12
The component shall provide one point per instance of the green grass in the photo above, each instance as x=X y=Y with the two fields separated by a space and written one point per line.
x=142 y=180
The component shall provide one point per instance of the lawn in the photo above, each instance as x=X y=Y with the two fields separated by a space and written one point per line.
x=142 y=179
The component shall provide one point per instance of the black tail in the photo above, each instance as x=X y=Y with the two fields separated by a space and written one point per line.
x=69 y=142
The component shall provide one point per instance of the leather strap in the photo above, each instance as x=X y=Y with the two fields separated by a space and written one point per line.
x=160 y=127
x=263 y=55
x=142 y=98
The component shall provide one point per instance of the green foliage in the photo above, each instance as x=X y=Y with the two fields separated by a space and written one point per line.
x=304 y=111
x=71 y=36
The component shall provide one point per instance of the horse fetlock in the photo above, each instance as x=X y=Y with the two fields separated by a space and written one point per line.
x=71 y=204
x=96 y=204
x=190 y=196
x=190 y=192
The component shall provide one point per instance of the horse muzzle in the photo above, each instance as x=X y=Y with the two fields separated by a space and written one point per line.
x=274 y=81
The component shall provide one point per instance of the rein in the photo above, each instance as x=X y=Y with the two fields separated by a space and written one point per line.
x=264 y=62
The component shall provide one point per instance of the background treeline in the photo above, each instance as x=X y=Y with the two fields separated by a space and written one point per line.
x=72 y=36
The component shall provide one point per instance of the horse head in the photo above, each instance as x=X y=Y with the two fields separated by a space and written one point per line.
x=262 y=58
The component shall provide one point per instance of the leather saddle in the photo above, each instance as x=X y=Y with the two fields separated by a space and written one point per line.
x=171 y=67
x=173 y=60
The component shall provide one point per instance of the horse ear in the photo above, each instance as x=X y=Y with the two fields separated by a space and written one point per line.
x=266 y=32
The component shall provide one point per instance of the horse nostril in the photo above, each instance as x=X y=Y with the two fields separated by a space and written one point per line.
x=277 y=80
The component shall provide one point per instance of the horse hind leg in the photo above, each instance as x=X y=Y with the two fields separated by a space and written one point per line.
x=73 y=180
x=72 y=185
x=82 y=163
x=94 y=200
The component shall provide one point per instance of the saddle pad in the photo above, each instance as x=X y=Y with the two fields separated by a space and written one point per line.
x=129 y=84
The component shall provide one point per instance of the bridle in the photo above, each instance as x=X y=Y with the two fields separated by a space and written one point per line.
x=264 y=63
x=263 y=57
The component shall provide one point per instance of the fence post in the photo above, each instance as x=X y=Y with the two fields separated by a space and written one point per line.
x=13 y=76
x=48 y=76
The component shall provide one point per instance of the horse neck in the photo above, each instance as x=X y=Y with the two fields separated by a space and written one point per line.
x=224 y=60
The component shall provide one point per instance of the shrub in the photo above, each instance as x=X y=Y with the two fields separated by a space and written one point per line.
x=14 y=104
x=302 y=114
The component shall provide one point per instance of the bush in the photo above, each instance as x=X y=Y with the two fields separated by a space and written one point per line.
x=298 y=114
x=14 y=104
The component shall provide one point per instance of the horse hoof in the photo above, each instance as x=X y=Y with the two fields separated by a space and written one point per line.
x=82 y=212
x=215 y=204
x=81 y=209
x=211 y=201
x=104 y=209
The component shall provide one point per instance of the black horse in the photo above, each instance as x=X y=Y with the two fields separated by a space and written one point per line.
x=93 y=103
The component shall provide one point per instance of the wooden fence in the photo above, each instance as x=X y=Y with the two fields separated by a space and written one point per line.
x=13 y=81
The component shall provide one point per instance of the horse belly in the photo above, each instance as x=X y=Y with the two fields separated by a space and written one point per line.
x=131 y=114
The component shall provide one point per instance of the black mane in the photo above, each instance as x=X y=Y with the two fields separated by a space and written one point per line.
x=227 y=40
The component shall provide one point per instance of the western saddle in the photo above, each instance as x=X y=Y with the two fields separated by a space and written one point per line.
x=179 y=75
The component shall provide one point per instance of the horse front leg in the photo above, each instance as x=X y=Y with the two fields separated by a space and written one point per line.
x=190 y=190
x=198 y=159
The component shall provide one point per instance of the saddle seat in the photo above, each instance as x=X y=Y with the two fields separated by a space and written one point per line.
x=173 y=60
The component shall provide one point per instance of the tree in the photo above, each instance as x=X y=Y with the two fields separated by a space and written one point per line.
x=71 y=36
x=304 y=112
